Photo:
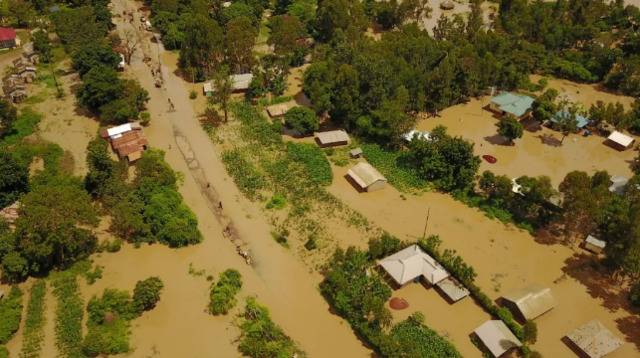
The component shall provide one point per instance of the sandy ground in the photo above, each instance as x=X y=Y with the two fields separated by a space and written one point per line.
x=537 y=152
x=505 y=259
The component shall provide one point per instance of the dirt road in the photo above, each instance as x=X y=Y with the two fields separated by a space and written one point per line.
x=277 y=278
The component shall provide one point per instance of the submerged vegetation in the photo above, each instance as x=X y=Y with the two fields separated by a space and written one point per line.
x=223 y=293
x=261 y=337
x=34 y=321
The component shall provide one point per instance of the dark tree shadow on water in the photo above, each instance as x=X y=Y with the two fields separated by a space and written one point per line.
x=630 y=327
x=549 y=140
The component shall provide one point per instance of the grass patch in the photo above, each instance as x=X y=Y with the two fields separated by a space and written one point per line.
x=34 y=321
x=37 y=98
x=278 y=201
x=261 y=337
x=389 y=164
x=244 y=174
x=314 y=161
x=69 y=313
x=10 y=314
x=25 y=125
x=223 y=293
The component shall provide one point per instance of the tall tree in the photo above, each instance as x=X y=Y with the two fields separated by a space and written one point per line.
x=8 y=115
x=223 y=87
x=240 y=39
x=510 y=128
x=202 y=48
x=14 y=179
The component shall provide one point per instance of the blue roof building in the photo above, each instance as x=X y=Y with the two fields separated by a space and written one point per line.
x=512 y=103
x=582 y=120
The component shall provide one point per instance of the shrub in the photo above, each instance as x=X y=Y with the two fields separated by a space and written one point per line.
x=34 y=321
x=11 y=314
x=383 y=246
x=302 y=120
x=411 y=338
x=145 y=118
x=222 y=295
x=311 y=243
x=193 y=94
x=634 y=294
x=146 y=294
x=530 y=332
x=261 y=337
x=93 y=276
x=278 y=201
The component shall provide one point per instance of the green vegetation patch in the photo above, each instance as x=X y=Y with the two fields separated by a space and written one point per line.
x=413 y=339
x=244 y=173
x=313 y=159
x=10 y=314
x=33 y=331
x=69 y=313
x=223 y=293
x=25 y=125
x=261 y=337
x=389 y=163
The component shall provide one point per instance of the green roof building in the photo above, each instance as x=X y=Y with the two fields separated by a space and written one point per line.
x=515 y=104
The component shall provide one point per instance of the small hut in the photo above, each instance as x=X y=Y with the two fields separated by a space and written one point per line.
x=280 y=109
x=453 y=289
x=332 y=138
x=126 y=140
x=367 y=177
x=496 y=336
x=620 y=141
x=531 y=302
x=594 y=339
x=447 y=5
x=594 y=245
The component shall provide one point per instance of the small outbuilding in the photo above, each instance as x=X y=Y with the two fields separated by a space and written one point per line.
x=496 y=336
x=453 y=289
x=411 y=263
x=594 y=339
x=594 y=244
x=367 y=177
x=240 y=83
x=280 y=109
x=620 y=141
x=355 y=153
x=7 y=37
x=511 y=103
x=530 y=302
x=332 y=138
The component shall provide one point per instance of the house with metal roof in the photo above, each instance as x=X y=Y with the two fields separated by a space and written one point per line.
x=240 y=83
x=411 y=263
x=619 y=140
x=496 y=336
x=594 y=244
x=332 y=138
x=366 y=177
x=581 y=120
x=594 y=339
x=7 y=37
x=530 y=302
x=511 y=103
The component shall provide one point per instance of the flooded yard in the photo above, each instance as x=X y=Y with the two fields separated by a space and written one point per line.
x=505 y=259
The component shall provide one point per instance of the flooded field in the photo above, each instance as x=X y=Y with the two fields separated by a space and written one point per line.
x=539 y=152
x=505 y=259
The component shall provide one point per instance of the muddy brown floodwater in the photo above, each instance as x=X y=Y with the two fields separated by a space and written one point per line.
x=505 y=259
x=538 y=152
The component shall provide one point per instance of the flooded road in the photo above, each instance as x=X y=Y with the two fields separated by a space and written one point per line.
x=180 y=327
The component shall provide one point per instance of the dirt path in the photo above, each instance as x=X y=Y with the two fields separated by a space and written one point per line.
x=180 y=327
x=505 y=259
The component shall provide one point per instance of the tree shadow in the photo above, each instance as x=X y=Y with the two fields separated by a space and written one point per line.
x=630 y=327
x=531 y=125
x=549 y=140
x=548 y=235
x=497 y=139
x=596 y=277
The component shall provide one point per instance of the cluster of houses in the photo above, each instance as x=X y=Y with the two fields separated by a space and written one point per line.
x=412 y=264
x=23 y=72
x=520 y=106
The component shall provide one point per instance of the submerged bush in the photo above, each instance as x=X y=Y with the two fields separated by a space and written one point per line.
x=223 y=293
